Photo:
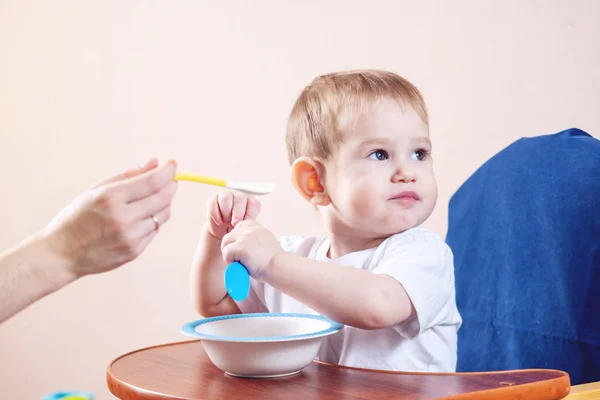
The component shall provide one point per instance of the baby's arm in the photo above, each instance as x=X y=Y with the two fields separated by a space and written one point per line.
x=207 y=288
x=350 y=296
x=206 y=278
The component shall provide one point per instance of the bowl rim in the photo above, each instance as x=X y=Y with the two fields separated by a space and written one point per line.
x=189 y=329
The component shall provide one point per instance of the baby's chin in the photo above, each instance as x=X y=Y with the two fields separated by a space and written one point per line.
x=399 y=229
x=380 y=224
x=401 y=223
x=391 y=229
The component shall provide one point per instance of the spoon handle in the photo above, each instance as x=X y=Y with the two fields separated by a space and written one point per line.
x=201 y=179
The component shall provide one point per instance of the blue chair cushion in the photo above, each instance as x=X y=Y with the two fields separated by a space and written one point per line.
x=525 y=233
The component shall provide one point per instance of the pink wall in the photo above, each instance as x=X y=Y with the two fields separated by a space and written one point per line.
x=90 y=88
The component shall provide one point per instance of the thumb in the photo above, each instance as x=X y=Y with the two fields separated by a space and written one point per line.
x=229 y=253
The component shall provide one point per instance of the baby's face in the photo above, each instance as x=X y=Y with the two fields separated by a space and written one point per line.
x=380 y=179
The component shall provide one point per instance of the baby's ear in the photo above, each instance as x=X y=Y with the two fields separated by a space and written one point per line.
x=307 y=177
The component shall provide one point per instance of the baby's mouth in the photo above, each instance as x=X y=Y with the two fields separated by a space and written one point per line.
x=406 y=196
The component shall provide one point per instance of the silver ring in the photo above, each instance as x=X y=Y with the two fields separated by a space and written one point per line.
x=156 y=222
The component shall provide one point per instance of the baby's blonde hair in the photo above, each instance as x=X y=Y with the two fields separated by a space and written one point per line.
x=322 y=109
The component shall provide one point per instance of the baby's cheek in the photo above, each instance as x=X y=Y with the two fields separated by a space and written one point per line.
x=363 y=202
x=357 y=196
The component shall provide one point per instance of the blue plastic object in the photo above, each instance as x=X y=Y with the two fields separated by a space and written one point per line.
x=237 y=281
x=69 y=396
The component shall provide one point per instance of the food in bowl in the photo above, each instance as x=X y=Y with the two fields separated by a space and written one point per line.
x=262 y=345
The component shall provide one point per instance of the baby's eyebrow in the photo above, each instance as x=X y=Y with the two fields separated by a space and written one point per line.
x=386 y=141
x=375 y=141
x=423 y=139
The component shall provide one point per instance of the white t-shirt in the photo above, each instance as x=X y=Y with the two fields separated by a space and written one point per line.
x=423 y=264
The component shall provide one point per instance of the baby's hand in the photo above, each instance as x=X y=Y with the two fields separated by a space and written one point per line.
x=226 y=210
x=252 y=245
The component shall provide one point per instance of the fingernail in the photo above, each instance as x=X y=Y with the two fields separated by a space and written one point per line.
x=173 y=162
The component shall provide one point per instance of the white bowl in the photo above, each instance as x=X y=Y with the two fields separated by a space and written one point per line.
x=262 y=345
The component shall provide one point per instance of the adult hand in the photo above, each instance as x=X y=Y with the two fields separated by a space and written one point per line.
x=114 y=221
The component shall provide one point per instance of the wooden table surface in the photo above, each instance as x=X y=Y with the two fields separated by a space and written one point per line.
x=183 y=371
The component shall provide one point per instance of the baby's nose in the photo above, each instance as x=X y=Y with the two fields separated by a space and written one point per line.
x=404 y=175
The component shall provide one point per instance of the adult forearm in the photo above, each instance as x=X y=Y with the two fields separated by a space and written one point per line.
x=28 y=272
x=347 y=295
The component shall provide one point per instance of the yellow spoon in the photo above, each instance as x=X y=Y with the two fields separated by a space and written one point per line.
x=257 y=188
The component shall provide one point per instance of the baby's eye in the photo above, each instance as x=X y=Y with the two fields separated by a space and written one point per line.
x=379 y=155
x=420 y=154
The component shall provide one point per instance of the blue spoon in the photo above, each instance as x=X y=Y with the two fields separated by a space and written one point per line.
x=237 y=281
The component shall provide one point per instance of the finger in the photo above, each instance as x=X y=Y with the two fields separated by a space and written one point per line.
x=212 y=209
x=146 y=184
x=153 y=163
x=239 y=209
x=225 y=203
x=229 y=238
x=253 y=208
x=149 y=206
x=148 y=225
x=230 y=252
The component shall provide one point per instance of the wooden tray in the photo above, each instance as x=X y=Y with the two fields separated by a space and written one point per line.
x=183 y=371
